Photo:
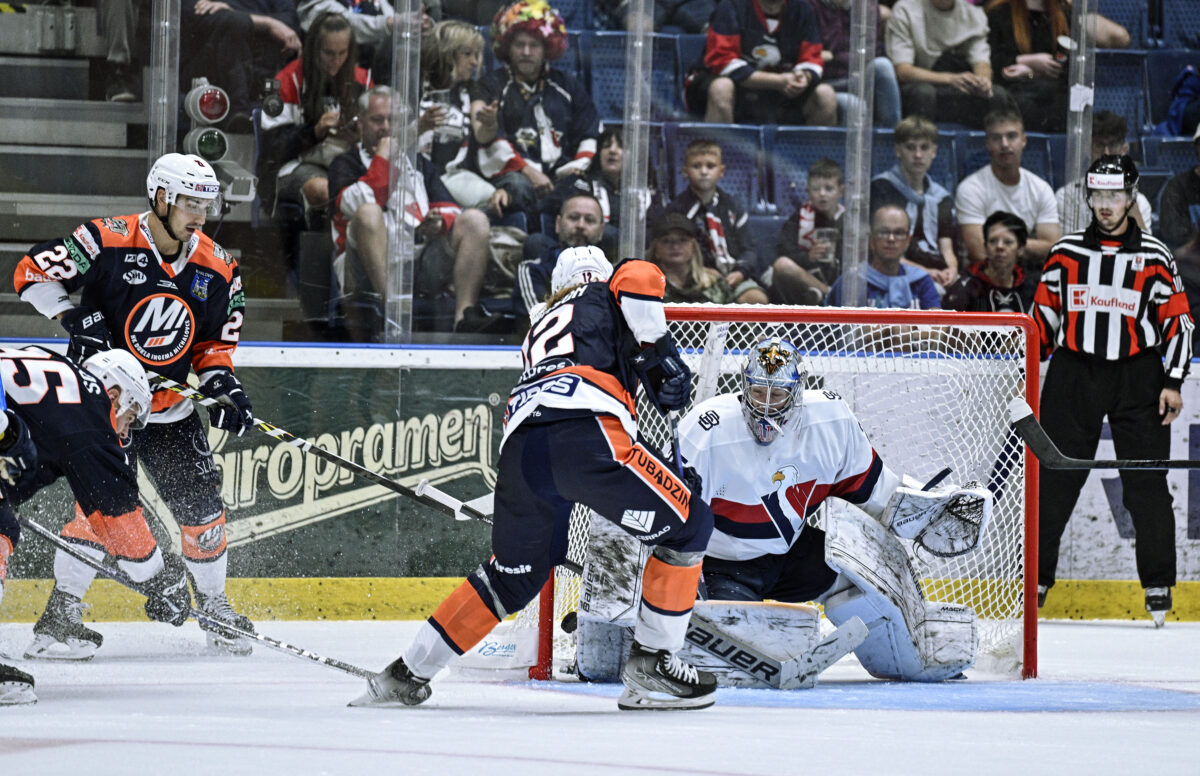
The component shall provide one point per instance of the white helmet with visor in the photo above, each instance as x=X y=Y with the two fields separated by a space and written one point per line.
x=187 y=175
x=120 y=369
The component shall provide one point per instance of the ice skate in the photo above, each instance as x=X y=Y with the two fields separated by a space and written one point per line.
x=16 y=687
x=222 y=640
x=394 y=684
x=1042 y=590
x=60 y=634
x=1158 y=603
x=659 y=680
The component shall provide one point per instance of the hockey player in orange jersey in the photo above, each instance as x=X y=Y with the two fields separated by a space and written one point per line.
x=571 y=436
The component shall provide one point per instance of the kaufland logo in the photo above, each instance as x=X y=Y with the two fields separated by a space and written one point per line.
x=1105 y=300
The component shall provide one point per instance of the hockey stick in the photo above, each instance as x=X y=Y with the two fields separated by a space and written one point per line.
x=1051 y=457
x=425 y=492
x=120 y=578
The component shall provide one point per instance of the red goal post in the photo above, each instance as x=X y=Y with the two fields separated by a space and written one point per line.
x=931 y=389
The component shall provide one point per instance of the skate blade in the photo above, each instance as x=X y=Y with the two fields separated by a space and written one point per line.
x=50 y=648
x=16 y=694
x=219 y=645
x=635 y=700
x=1160 y=619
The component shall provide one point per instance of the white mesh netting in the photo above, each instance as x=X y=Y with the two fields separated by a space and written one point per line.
x=929 y=396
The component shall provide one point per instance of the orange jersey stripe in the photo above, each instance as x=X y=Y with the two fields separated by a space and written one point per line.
x=464 y=617
x=638 y=460
x=640 y=278
x=670 y=588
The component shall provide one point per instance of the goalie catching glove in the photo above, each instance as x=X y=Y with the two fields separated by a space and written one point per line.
x=18 y=455
x=234 y=412
x=947 y=522
x=664 y=375
x=167 y=597
x=89 y=333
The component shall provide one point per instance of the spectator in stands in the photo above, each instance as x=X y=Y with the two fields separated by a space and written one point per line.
x=459 y=130
x=319 y=91
x=929 y=206
x=580 y=222
x=1109 y=131
x=452 y=243
x=762 y=65
x=371 y=20
x=546 y=113
x=1004 y=185
x=118 y=25
x=833 y=20
x=940 y=50
x=675 y=248
x=237 y=45
x=996 y=284
x=717 y=216
x=809 y=244
x=603 y=181
x=885 y=280
x=687 y=16
x=1180 y=217
x=1028 y=60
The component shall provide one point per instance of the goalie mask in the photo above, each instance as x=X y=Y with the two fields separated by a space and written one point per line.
x=120 y=369
x=772 y=388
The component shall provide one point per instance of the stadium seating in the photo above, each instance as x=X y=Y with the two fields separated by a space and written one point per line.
x=606 y=66
x=1121 y=86
x=1169 y=153
x=764 y=235
x=1162 y=68
x=576 y=13
x=741 y=151
x=790 y=151
x=1181 y=23
x=972 y=154
x=1130 y=14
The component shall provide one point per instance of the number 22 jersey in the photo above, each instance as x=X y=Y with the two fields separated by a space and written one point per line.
x=175 y=317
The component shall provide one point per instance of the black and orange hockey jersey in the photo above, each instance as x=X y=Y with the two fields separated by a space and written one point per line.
x=175 y=317
x=577 y=353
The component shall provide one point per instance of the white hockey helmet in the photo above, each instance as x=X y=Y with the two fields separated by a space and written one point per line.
x=772 y=387
x=585 y=264
x=120 y=369
x=185 y=174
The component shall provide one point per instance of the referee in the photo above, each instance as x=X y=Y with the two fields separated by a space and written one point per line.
x=1112 y=307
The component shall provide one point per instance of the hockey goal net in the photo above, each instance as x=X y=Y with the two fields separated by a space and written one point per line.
x=931 y=389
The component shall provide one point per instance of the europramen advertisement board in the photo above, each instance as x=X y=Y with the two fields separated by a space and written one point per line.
x=436 y=413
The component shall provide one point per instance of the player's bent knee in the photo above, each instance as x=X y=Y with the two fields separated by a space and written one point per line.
x=510 y=587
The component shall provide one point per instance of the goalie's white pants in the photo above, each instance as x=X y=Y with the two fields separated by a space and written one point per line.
x=910 y=638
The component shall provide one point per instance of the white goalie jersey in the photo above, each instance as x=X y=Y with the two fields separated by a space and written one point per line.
x=762 y=494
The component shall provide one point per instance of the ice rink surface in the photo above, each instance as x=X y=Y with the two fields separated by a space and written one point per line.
x=1113 y=698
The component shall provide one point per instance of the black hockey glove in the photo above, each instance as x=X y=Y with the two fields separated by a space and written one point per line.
x=692 y=479
x=18 y=455
x=234 y=413
x=89 y=333
x=167 y=597
x=664 y=375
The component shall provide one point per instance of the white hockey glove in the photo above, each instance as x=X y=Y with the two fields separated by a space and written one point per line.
x=947 y=523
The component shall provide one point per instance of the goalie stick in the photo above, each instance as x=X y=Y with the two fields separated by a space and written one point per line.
x=120 y=578
x=1051 y=457
x=426 y=493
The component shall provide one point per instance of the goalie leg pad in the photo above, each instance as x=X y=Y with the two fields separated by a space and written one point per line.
x=909 y=638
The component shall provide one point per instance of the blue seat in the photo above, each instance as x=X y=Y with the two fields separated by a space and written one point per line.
x=607 y=68
x=575 y=60
x=1121 y=86
x=1162 y=68
x=576 y=13
x=1130 y=14
x=1181 y=23
x=1169 y=153
x=741 y=152
x=763 y=231
x=945 y=166
x=791 y=151
x=689 y=52
x=973 y=154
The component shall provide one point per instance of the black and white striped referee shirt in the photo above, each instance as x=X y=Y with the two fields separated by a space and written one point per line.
x=1115 y=298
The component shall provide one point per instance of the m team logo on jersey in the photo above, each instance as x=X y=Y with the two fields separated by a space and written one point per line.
x=1103 y=299
x=160 y=329
x=210 y=540
x=134 y=278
